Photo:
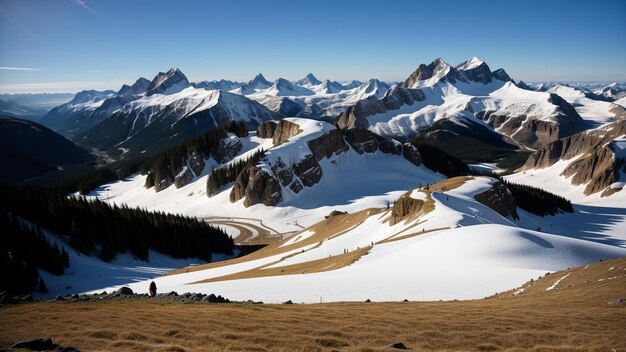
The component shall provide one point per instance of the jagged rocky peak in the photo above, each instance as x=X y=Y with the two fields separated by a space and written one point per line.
x=139 y=87
x=437 y=69
x=353 y=84
x=476 y=70
x=332 y=86
x=500 y=74
x=472 y=70
x=283 y=84
x=309 y=80
x=165 y=80
x=373 y=84
x=259 y=82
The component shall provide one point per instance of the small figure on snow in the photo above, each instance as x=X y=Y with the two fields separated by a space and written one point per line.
x=152 y=289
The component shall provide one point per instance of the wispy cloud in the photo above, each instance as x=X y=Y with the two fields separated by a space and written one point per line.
x=19 y=68
x=83 y=4
x=60 y=87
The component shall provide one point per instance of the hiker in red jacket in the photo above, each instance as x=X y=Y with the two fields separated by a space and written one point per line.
x=152 y=289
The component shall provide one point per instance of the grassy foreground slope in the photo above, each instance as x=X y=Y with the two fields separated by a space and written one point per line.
x=574 y=315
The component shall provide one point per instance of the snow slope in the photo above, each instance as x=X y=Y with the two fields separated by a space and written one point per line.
x=350 y=182
x=465 y=250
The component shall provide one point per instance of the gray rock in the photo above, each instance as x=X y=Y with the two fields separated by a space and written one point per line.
x=619 y=301
x=288 y=302
x=59 y=298
x=266 y=129
x=126 y=291
x=36 y=345
x=398 y=346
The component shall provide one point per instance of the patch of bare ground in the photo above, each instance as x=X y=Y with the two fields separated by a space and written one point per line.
x=326 y=229
x=575 y=316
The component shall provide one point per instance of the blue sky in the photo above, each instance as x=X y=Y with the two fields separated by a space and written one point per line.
x=68 y=45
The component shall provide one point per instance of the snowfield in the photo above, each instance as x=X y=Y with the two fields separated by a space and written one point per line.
x=460 y=250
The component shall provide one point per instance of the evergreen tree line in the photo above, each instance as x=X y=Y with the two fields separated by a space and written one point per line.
x=24 y=248
x=169 y=163
x=224 y=175
x=538 y=201
x=96 y=227
x=440 y=161
x=533 y=199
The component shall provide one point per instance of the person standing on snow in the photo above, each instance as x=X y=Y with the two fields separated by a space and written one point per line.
x=152 y=289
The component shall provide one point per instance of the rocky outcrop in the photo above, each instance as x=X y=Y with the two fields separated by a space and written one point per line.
x=227 y=148
x=536 y=131
x=597 y=165
x=266 y=129
x=285 y=130
x=183 y=178
x=163 y=183
x=411 y=154
x=308 y=170
x=366 y=141
x=266 y=182
x=619 y=111
x=356 y=116
x=327 y=145
x=255 y=186
x=193 y=163
x=404 y=208
x=500 y=199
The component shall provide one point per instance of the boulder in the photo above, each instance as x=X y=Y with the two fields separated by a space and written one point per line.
x=397 y=346
x=125 y=291
x=288 y=302
x=35 y=345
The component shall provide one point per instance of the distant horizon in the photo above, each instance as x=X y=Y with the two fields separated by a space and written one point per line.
x=49 y=87
x=71 y=45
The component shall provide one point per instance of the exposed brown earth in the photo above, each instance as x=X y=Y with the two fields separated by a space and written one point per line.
x=575 y=316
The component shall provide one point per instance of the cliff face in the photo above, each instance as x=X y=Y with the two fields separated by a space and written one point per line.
x=356 y=116
x=267 y=181
x=193 y=163
x=405 y=208
x=596 y=165
x=535 y=131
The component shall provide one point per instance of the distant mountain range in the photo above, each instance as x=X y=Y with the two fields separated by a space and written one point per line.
x=469 y=110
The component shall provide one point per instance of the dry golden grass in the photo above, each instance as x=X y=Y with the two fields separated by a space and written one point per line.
x=328 y=228
x=575 y=317
x=313 y=266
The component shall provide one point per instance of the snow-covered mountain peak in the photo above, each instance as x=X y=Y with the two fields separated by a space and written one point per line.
x=472 y=63
x=259 y=82
x=166 y=80
x=91 y=95
x=309 y=80
x=139 y=87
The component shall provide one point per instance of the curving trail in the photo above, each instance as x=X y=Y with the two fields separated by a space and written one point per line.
x=251 y=231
